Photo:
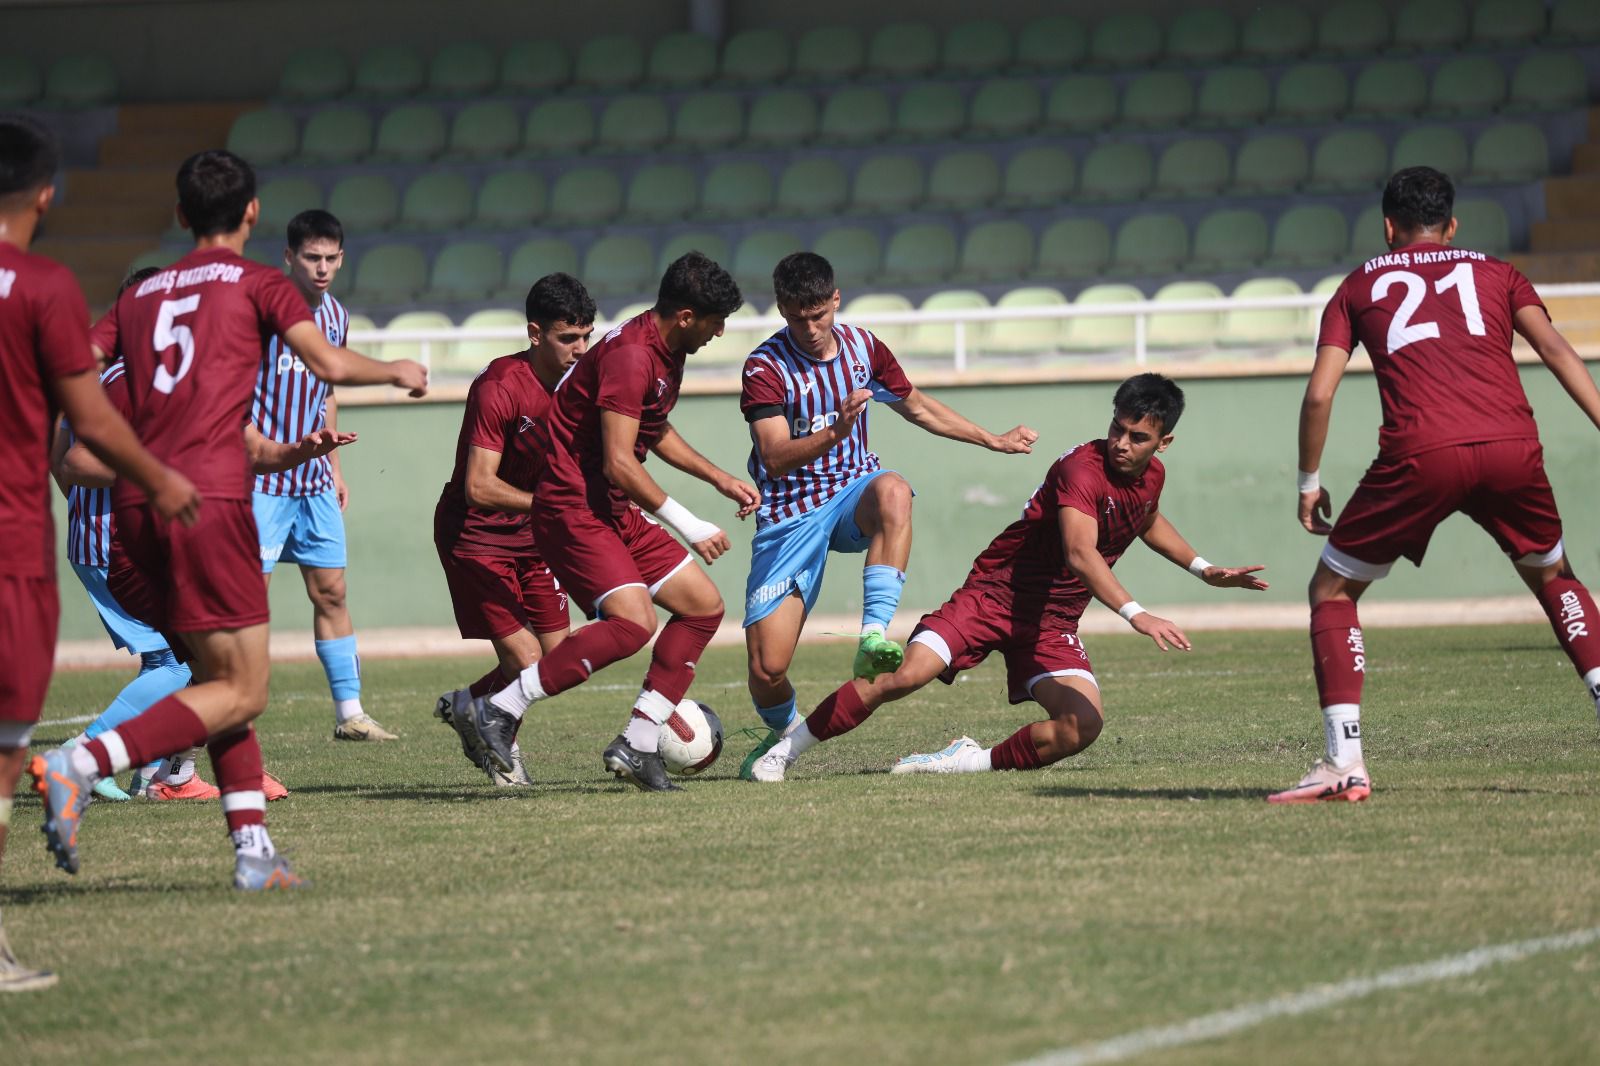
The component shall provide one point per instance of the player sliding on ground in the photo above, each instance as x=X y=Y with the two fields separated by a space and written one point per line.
x=1457 y=436
x=805 y=395
x=1026 y=593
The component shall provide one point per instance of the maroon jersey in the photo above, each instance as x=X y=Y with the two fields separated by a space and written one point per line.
x=505 y=406
x=1437 y=322
x=192 y=337
x=44 y=335
x=632 y=372
x=1026 y=566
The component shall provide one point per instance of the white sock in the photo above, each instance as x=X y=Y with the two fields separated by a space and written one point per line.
x=975 y=762
x=83 y=763
x=1591 y=681
x=344 y=710
x=516 y=699
x=179 y=769
x=1341 y=723
x=642 y=734
x=252 y=840
x=874 y=627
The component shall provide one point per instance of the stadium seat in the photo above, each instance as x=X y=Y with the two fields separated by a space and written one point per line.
x=930 y=111
x=1352 y=160
x=976 y=49
x=681 y=243
x=265 y=136
x=620 y=264
x=1005 y=107
x=558 y=127
x=1353 y=27
x=1260 y=327
x=1158 y=99
x=829 y=54
x=389 y=274
x=859 y=310
x=736 y=189
x=1001 y=250
x=21 y=81
x=1052 y=43
x=410 y=133
x=429 y=353
x=757 y=253
x=284 y=198
x=1309 y=235
x=585 y=196
x=1311 y=93
x=1311 y=318
x=885 y=183
x=855 y=252
x=1545 y=81
x=1038 y=336
x=633 y=124
x=661 y=192
x=1101 y=333
x=609 y=62
x=1443 y=148
x=1038 y=176
x=364 y=202
x=436 y=200
x=1389 y=88
x=1125 y=39
x=1574 y=22
x=489 y=129
x=1228 y=240
x=1276 y=33
x=531 y=68
x=681 y=61
x=80 y=81
x=1074 y=248
x=471 y=356
x=534 y=259
x=1117 y=171
x=1233 y=96
x=920 y=253
x=708 y=120
x=336 y=135
x=1482 y=226
x=511 y=200
x=1430 y=25
x=388 y=71
x=939 y=338
x=781 y=119
x=1467 y=85
x=466 y=68
x=466 y=271
x=856 y=115
x=963 y=181
x=1504 y=23
x=1080 y=103
x=1202 y=36
x=812 y=186
x=1510 y=152
x=756 y=57
x=314 y=74
x=1150 y=244
x=902 y=50
x=361 y=322
x=1366 y=236
x=1271 y=163
x=1193 y=167
x=1179 y=330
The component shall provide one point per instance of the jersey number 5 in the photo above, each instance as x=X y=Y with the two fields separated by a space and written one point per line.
x=170 y=334
x=1403 y=331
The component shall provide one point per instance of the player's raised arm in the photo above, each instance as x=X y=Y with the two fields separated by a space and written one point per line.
x=619 y=433
x=1080 y=537
x=925 y=412
x=105 y=433
x=341 y=366
x=1557 y=354
x=673 y=449
x=1315 y=409
x=1163 y=538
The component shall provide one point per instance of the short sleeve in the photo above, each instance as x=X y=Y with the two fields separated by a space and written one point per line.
x=889 y=381
x=489 y=408
x=279 y=303
x=107 y=333
x=1337 y=330
x=625 y=375
x=1521 y=291
x=62 y=328
x=1075 y=481
x=762 y=393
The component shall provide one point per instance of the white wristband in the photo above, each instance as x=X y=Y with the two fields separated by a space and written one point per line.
x=693 y=530
x=1310 y=481
x=1198 y=567
x=1129 y=609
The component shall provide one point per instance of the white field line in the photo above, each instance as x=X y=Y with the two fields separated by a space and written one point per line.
x=1320 y=997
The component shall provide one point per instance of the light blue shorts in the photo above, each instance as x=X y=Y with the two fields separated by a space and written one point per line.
x=790 y=556
x=308 y=530
x=126 y=631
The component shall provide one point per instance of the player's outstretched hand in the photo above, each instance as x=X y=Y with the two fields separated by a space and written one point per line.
x=1161 y=631
x=322 y=441
x=411 y=376
x=849 y=411
x=1016 y=441
x=1234 y=577
x=176 y=498
x=742 y=493
x=1315 y=510
x=710 y=548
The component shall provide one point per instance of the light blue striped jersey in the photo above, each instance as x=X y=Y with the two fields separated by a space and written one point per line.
x=89 y=510
x=291 y=401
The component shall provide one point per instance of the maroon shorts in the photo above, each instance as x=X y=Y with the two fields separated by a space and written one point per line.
x=496 y=596
x=189 y=579
x=593 y=556
x=29 y=613
x=973 y=623
x=1500 y=485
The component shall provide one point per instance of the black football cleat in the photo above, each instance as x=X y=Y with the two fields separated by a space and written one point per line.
x=643 y=770
x=497 y=732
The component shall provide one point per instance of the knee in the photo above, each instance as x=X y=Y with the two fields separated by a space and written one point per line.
x=894 y=501
x=767 y=673
x=328 y=592
x=1075 y=732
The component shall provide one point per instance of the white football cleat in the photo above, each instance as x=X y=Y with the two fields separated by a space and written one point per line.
x=770 y=768
x=947 y=761
x=1327 y=783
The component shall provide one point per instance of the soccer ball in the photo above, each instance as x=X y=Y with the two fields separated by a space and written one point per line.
x=691 y=739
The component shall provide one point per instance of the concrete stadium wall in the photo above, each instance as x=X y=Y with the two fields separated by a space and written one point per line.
x=1230 y=490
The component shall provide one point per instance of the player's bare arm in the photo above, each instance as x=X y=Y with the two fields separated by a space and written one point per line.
x=618 y=435
x=331 y=421
x=1316 y=508
x=1163 y=538
x=105 y=433
x=1557 y=354
x=1080 y=537
x=677 y=452
x=268 y=456
x=783 y=454
x=73 y=464
x=484 y=488
x=925 y=412
x=341 y=366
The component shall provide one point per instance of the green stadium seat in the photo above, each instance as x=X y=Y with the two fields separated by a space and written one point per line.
x=336 y=135
x=681 y=243
x=661 y=192
x=1005 y=107
x=757 y=57
x=903 y=50
x=1510 y=152
x=534 y=259
x=389 y=71
x=1430 y=25
x=856 y=115
x=919 y=254
x=1125 y=39
x=1117 y=171
x=1271 y=163
x=21 y=81
x=531 y=68
x=1309 y=235
x=1261 y=327
x=471 y=356
x=1080 y=103
x=1181 y=330
x=1467 y=85
x=489 y=129
x=633 y=124
x=1482 y=226
x=1052 y=43
x=466 y=68
x=1227 y=240
x=739 y=188
x=1389 y=88
x=609 y=62
x=1202 y=36
x=80 y=81
x=897 y=337
x=465 y=271
x=411 y=133
x=361 y=322
x=620 y=264
x=436 y=200
x=312 y=75
x=886 y=183
x=1574 y=22
x=1503 y=23
x=812 y=186
x=1311 y=93
x=963 y=181
x=1158 y=99
x=1366 y=236
x=1193 y=167
x=1443 y=148
x=781 y=119
x=707 y=121
x=364 y=202
x=1001 y=250
x=1353 y=160
x=939 y=338
x=976 y=49
x=264 y=137
x=1233 y=96
x=681 y=61
x=1038 y=176
x=829 y=54
x=429 y=353
x=1074 y=248
x=1036 y=336
x=930 y=111
x=559 y=127
x=390 y=274
x=511 y=199
x=1545 y=81
x=855 y=252
x=1353 y=27
x=585 y=196
x=284 y=198
x=1150 y=244
x=756 y=255
x=1276 y=33
x=739 y=338
x=1101 y=333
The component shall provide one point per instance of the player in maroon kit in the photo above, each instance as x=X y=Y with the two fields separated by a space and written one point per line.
x=608 y=413
x=1457 y=435
x=501 y=589
x=49 y=370
x=1026 y=592
x=191 y=338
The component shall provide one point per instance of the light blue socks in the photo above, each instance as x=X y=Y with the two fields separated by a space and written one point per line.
x=779 y=717
x=880 y=596
x=160 y=675
x=343 y=667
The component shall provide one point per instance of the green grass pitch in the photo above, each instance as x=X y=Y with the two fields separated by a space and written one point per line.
x=848 y=916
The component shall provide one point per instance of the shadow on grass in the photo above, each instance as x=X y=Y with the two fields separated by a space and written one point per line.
x=72 y=888
x=1198 y=794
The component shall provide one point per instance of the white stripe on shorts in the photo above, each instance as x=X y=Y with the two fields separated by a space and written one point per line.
x=934 y=643
x=1349 y=566
x=1036 y=678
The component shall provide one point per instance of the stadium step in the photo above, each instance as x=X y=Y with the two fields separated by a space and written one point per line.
x=1555 y=268
x=1566 y=234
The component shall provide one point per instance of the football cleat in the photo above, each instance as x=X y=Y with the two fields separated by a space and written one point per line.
x=642 y=769
x=272 y=788
x=1327 y=783
x=517 y=778
x=496 y=732
x=107 y=789
x=15 y=977
x=193 y=789
x=65 y=793
x=771 y=767
x=361 y=727
x=454 y=709
x=251 y=874
x=747 y=768
x=877 y=654
x=947 y=761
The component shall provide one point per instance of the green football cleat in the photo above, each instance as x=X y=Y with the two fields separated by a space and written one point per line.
x=745 y=768
x=107 y=789
x=877 y=654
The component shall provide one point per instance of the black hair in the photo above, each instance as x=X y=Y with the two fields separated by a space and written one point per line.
x=214 y=188
x=1152 y=395
x=559 y=297
x=695 y=281
x=1419 y=198
x=29 y=154
x=142 y=274
x=803 y=280
x=314 y=225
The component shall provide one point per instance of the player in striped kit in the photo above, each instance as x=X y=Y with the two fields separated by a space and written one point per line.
x=805 y=396
x=299 y=512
